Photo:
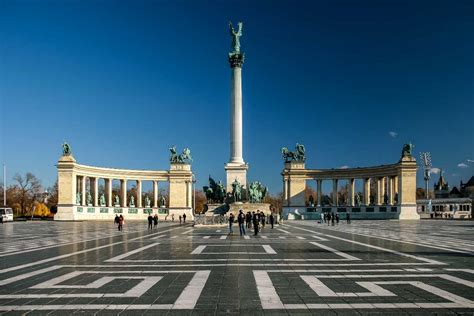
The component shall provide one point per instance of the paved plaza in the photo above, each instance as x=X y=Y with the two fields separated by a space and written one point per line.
x=300 y=267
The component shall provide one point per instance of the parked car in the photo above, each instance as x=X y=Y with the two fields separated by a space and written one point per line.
x=7 y=214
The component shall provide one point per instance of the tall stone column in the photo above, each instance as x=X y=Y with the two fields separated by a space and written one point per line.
x=366 y=191
x=335 y=201
x=83 y=189
x=95 y=183
x=285 y=192
x=139 y=193
x=351 y=191
x=236 y=168
x=108 y=192
x=390 y=190
x=123 y=193
x=320 y=189
x=155 y=193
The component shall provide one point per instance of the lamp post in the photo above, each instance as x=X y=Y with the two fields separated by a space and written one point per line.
x=426 y=163
x=194 y=194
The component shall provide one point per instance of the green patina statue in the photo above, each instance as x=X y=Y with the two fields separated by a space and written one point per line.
x=257 y=192
x=117 y=200
x=132 y=201
x=407 y=150
x=89 y=199
x=66 y=149
x=147 y=201
x=235 y=37
x=78 y=198
x=184 y=157
x=237 y=191
x=297 y=155
x=215 y=192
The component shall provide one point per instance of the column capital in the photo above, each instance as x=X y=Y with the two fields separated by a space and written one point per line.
x=236 y=60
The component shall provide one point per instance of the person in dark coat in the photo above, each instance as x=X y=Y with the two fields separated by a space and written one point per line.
x=155 y=220
x=184 y=218
x=255 y=223
x=150 y=221
x=272 y=219
x=241 y=221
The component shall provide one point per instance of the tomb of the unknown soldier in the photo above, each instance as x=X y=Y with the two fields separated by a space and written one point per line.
x=290 y=175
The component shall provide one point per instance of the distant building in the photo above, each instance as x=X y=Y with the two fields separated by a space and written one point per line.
x=448 y=203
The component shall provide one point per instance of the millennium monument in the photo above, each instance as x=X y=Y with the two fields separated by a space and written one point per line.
x=236 y=168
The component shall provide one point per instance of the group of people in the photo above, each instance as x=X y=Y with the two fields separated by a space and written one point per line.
x=119 y=221
x=182 y=218
x=258 y=219
x=333 y=218
x=152 y=221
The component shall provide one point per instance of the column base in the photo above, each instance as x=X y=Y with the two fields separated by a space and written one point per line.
x=235 y=171
x=408 y=213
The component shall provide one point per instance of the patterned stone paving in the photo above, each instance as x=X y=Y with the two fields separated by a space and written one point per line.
x=301 y=267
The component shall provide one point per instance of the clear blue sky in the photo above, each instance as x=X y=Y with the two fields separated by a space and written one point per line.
x=121 y=81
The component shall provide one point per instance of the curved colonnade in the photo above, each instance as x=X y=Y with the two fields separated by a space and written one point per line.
x=79 y=198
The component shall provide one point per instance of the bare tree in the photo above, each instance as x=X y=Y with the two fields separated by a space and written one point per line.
x=28 y=191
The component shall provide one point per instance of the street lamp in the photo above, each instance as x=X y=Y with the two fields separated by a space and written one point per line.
x=426 y=163
x=194 y=194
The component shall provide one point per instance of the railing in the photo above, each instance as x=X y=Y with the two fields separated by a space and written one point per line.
x=200 y=219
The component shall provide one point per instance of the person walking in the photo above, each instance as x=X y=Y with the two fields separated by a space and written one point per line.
x=184 y=218
x=150 y=221
x=248 y=219
x=272 y=219
x=332 y=219
x=231 y=221
x=155 y=220
x=179 y=219
x=262 y=219
x=172 y=217
x=255 y=223
x=328 y=218
x=337 y=218
x=121 y=222
x=348 y=218
x=322 y=218
x=117 y=219
x=241 y=221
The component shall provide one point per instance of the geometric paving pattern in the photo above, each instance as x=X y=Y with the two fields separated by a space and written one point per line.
x=300 y=267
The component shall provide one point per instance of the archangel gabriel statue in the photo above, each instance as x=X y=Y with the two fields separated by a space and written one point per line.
x=235 y=37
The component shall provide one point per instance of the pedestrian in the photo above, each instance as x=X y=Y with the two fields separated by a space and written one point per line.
x=272 y=219
x=155 y=220
x=150 y=221
x=248 y=220
x=241 y=221
x=332 y=219
x=255 y=223
x=262 y=219
x=328 y=218
x=231 y=221
x=337 y=218
x=179 y=219
x=322 y=218
x=348 y=218
x=117 y=219
x=184 y=218
x=121 y=222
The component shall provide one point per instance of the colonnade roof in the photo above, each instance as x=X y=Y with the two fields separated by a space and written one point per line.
x=390 y=170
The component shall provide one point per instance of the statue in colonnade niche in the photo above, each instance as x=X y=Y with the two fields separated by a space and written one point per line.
x=395 y=199
x=311 y=201
x=78 y=198
x=132 y=201
x=162 y=201
x=385 y=199
x=147 y=201
x=372 y=200
x=116 y=200
x=357 y=199
x=102 y=200
x=89 y=199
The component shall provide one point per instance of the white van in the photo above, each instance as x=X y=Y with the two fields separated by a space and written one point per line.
x=7 y=214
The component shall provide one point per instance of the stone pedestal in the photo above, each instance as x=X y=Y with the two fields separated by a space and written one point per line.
x=249 y=207
x=66 y=189
x=235 y=171
x=180 y=190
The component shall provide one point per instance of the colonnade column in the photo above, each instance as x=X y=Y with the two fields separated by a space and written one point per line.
x=189 y=194
x=390 y=190
x=83 y=193
x=366 y=191
x=351 y=191
x=123 y=192
x=395 y=189
x=334 y=193
x=319 y=184
x=95 y=182
x=108 y=192
x=378 y=197
x=139 y=193
x=285 y=192
x=155 y=193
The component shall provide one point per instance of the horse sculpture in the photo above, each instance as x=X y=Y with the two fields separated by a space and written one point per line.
x=297 y=155
x=184 y=157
